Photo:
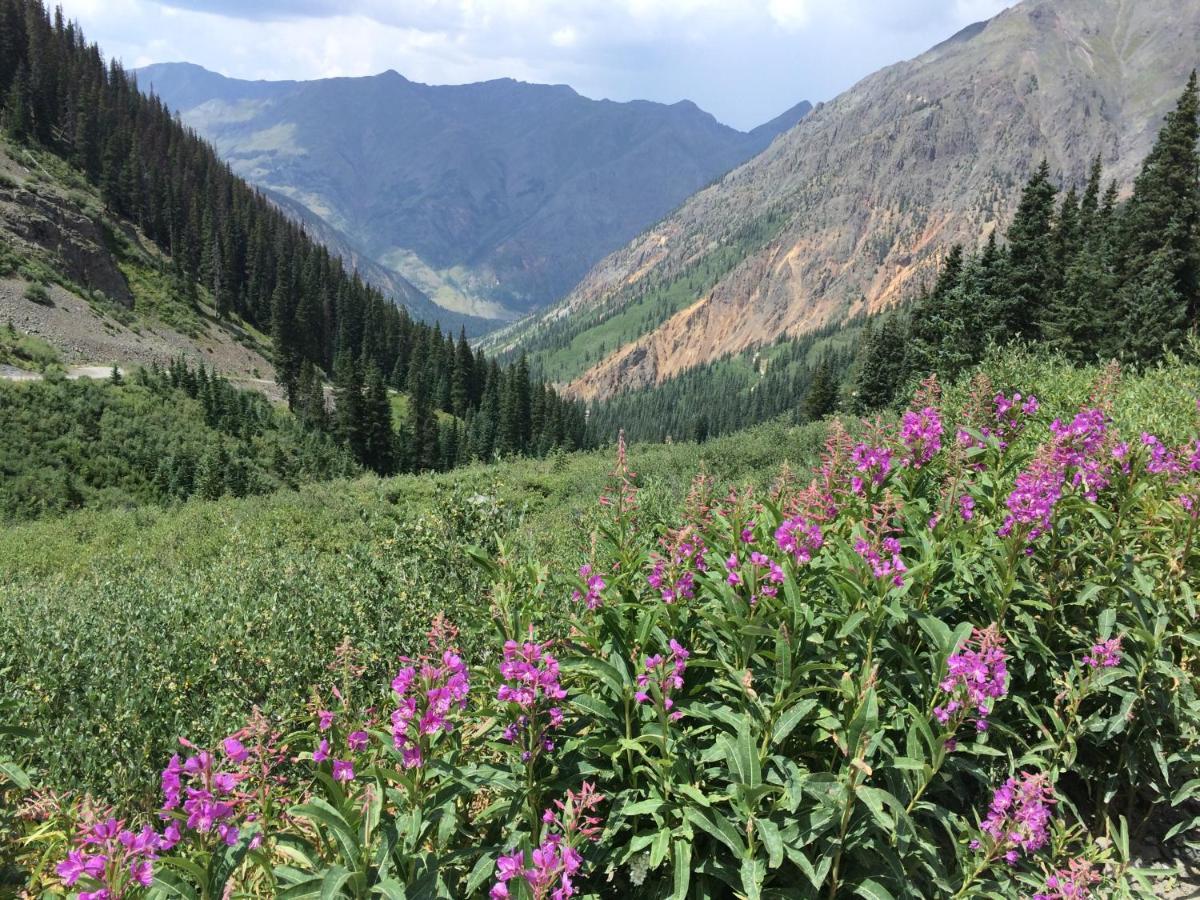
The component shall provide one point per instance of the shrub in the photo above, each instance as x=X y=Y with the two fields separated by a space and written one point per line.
x=36 y=292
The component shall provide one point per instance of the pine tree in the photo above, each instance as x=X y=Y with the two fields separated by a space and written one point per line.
x=822 y=396
x=378 y=433
x=347 y=403
x=881 y=365
x=1165 y=205
x=1016 y=311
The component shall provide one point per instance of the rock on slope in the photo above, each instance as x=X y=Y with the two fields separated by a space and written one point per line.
x=875 y=184
x=492 y=198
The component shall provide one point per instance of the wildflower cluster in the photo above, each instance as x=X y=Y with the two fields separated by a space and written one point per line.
x=799 y=537
x=112 y=860
x=594 y=585
x=677 y=581
x=1074 y=882
x=921 y=434
x=530 y=676
x=1077 y=451
x=1104 y=655
x=210 y=799
x=661 y=677
x=1019 y=816
x=428 y=693
x=356 y=742
x=872 y=463
x=880 y=547
x=976 y=676
x=552 y=866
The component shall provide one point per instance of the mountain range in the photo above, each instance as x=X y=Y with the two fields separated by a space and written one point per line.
x=477 y=202
x=851 y=210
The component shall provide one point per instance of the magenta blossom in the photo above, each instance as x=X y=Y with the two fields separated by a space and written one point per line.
x=343 y=770
x=799 y=537
x=1104 y=655
x=665 y=674
x=429 y=694
x=595 y=585
x=873 y=462
x=977 y=675
x=530 y=674
x=1072 y=883
x=552 y=868
x=1019 y=816
x=921 y=434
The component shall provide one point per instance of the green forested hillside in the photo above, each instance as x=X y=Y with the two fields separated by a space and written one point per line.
x=153 y=437
x=223 y=242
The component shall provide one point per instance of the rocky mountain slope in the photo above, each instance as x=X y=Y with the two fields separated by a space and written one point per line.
x=852 y=208
x=95 y=290
x=493 y=199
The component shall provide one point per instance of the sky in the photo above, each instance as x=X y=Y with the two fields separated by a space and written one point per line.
x=744 y=61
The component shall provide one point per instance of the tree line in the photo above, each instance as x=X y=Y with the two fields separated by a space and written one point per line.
x=227 y=241
x=1092 y=276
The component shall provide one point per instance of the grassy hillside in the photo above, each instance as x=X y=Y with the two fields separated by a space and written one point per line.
x=197 y=611
x=162 y=623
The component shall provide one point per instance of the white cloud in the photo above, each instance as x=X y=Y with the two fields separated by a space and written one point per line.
x=743 y=60
x=790 y=14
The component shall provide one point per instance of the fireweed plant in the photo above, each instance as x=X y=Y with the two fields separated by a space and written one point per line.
x=959 y=662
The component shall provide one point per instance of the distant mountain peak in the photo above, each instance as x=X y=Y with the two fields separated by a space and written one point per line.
x=491 y=198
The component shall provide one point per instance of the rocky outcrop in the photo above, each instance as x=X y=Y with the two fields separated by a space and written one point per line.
x=72 y=239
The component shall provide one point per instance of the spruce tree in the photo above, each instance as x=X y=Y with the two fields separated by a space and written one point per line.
x=881 y=365
x=378 y=437
x=1165 y=206
x=1016 y=310
x=822 y=396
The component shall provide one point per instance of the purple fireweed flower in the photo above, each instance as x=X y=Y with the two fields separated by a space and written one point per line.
x=324 y=720
x=1019 y=815
x=530 y=674
x=357 y=741
x=1031 y=503
x=429 y=694
x=976 y=676
x=966 y=507
x=921 y=434
x=322 y=752
x=873 y=462
x=594 y=584
x=235 y=750
x=103 y=851
x=667 y=675
x=799 y=537
x=1162 y=461
x=731 y=566
x=553 y=865
x=210 y=799
x=1072 y=883
x=1104 y=655
x=883 y=558
x=343 y=770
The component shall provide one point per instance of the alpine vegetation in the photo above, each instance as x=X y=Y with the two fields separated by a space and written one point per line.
x=954 y=662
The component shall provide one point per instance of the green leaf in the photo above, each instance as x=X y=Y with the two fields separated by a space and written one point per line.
x=789 y=720
x=331 y=884
x=321 y=813
x=682 y=853
x=658 y=849
x=391 y=889
x=15 y=774
x=768 y=831
x=753 y=873
x=872 y=890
